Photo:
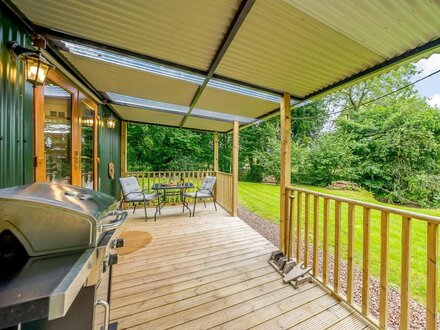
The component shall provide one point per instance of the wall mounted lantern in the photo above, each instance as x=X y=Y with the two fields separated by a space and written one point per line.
x=111 y=121
x=87 y=121
x=37 y=66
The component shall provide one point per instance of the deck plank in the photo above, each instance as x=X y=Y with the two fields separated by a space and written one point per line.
x=211 y=271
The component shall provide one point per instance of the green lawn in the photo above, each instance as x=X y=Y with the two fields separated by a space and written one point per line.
x=264 y=200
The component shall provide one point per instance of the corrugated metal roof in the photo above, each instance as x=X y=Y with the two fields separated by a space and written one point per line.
x=120 y=80
x=189 y=32
x=148 y=116
x=295 y=46
x=207 y=124
x=227 y=102
x=388 y=28
x=280 y=46
x=167 y=119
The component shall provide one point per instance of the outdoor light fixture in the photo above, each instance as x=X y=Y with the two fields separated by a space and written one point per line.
x=36 y=66
x=88 y=121
x=111 y=121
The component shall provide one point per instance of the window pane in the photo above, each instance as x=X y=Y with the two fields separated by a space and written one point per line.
x=57 y=133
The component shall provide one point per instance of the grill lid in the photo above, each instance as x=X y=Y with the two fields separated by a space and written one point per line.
x=92 y=203
x=52 y=218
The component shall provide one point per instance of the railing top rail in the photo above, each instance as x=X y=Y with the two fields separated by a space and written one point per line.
x=144 y=172
x=409 y=214
x=224 y=173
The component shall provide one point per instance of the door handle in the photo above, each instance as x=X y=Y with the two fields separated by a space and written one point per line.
x=77 y=159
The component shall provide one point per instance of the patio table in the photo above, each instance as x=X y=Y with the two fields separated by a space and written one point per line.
x=176 y=189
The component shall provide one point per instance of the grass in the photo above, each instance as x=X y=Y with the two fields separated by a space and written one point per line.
x=263 y=200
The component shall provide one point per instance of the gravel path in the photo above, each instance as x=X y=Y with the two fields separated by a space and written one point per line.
x=271 y=232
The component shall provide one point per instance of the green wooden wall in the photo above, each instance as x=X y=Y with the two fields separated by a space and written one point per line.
x=109 y=151
x=16 y=110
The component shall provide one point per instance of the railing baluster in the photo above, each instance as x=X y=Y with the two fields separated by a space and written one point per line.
x=306 y=229
x=366 y=262
x=315 y=234
x=337 y=266
x=290 y=205
x=350 y=254
x=384 y=249
x=405 y=273
x=298 y=227
x=432 y=278
x=325 y=242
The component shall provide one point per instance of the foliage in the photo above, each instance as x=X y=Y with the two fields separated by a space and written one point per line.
x=155 y=148
x=326 y=160
x=260 y=144
x=387 y=144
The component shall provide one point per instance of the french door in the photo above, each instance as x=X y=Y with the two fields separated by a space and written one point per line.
x=66 y=128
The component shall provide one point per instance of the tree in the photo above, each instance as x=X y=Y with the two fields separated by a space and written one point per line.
x=157 y=148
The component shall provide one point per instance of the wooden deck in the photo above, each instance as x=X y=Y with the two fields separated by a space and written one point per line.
x=211 y=271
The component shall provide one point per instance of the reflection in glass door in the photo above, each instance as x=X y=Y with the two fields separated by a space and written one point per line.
x=57 y=133
x=87 y=141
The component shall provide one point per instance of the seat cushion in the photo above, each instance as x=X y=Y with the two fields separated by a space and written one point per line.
x=152 y=196
x=199 y=195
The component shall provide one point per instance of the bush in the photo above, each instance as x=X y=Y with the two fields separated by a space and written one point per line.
x=328 y=159
x=425 y=189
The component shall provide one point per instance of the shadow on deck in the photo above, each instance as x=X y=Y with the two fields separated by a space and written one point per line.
x=212 y=271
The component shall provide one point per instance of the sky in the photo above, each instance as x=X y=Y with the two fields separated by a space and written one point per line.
x=429 y=87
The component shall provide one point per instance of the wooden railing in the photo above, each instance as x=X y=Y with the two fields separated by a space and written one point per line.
x=224 y=190
x=148 y=179
x=308 y=222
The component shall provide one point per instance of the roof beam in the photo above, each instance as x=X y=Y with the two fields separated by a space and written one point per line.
x=240 y=16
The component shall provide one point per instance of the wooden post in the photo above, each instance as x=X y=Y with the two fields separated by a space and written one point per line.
x=215 y=151
x=350 y=254
x=366 y=262
x=123 y=148
x=405 y=271
x=384 y=272
x=39 y=157
x=235 y=170
x=285 y=125
x=432 y=278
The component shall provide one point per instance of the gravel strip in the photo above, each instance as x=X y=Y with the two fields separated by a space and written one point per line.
x=271 y=232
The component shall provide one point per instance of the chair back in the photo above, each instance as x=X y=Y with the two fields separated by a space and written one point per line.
x=129 y=185
x=208 y=184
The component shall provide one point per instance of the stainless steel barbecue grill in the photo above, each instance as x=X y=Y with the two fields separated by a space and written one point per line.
x=55 y=241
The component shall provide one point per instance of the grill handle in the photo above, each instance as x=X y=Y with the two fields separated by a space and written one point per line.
x=106 y=306
x=120 y=218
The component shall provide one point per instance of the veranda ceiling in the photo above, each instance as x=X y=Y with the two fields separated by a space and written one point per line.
x=240 y=55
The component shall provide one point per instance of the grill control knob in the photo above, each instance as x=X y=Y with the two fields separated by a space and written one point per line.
x=118 y=243
x=112 y=259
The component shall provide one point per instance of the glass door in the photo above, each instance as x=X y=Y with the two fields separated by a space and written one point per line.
x=65 y=141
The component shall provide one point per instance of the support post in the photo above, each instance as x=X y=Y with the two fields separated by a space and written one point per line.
x=215 y=151
x=123 y=148
x=235 y=169
x=285 y=123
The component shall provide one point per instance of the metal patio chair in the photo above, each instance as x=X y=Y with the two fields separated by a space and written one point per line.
x=132 y=193
x=205 y=191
